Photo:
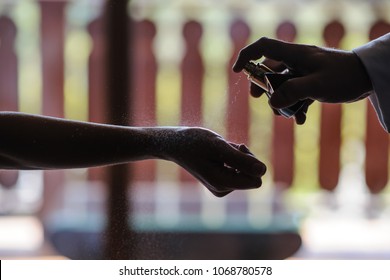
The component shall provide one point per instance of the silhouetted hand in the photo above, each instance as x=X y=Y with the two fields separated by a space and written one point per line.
x=219 y=165
x=325 y=75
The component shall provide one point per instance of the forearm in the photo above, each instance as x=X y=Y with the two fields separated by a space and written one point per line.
x=37 y=142
x=375 y=56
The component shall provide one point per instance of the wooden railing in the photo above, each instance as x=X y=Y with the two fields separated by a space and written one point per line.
x=192 y=70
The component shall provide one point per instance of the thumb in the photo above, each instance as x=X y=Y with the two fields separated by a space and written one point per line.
x=291 y=92
x=243 y=161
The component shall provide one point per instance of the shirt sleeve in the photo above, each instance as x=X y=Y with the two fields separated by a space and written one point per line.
x=375 y=57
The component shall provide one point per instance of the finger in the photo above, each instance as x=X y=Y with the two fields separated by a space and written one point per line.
x=292 y=91
x=234 y=145
x=242 y=162
x=211 y=180
x=276 y=66
x=222 y=179
x=300 y=117
x=270 y=48
x=215 y=191
x=233 y=179
x=240 y=147
x=256 y=91
x=276 y=112
x=220 y=193
x=244 y=149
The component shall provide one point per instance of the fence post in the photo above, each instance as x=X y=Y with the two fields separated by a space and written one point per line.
x=8 y=84
x=52 y=49
x=238 y=114
x=120 y=242
x=192 y=72
x=97 y=85
x=192 y=77
x=144 y=70
x=283 y=130
x=330 y=126
x=238 y=92
x=377 y=140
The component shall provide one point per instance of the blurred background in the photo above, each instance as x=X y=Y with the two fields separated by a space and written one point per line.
x=324 y=196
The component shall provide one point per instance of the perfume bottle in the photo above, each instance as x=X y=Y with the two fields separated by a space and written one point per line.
x=269 y=81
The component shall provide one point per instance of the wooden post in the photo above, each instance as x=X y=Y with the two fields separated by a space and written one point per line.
x=330 y=127
x=120 y=240
x=52 y=44
x=238 y=93
x=192 y=72
x=97 y=85
x=144 y=75
x=52 y=49
x=192 y=77
x=8 y=84
x=8 y=66
x=377 y=140
x=283 y=130
x=238 y=116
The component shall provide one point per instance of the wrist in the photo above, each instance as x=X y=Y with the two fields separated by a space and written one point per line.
x=161 y=142
x=362 y=76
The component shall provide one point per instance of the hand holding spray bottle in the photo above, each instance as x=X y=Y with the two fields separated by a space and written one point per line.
x=269 y=81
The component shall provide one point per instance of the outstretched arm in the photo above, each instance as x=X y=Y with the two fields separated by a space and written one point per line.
x=38 y=142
